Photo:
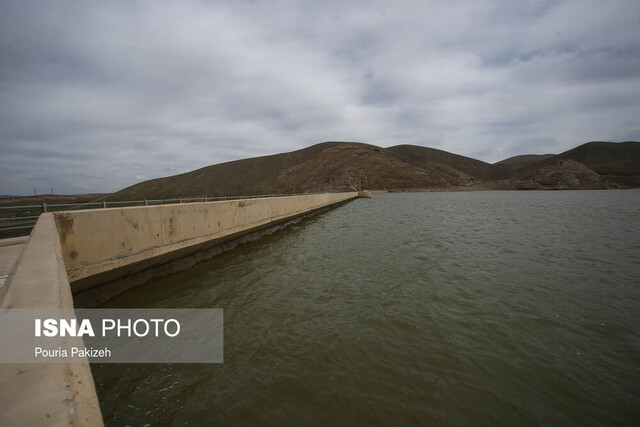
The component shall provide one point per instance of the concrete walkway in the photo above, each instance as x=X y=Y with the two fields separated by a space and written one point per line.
x=10 y=250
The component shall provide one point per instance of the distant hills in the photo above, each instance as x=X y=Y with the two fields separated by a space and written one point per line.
x=340 y=166
x=517 y=164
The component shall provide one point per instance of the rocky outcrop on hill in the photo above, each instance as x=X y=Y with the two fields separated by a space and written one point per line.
x=561 y=175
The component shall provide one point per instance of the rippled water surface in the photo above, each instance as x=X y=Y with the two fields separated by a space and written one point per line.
x=517 y=308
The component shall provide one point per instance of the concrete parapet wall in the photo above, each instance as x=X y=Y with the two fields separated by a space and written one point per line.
x=44 y=394
x=101 y=246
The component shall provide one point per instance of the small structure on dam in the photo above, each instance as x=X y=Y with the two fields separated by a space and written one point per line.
x=92 y=255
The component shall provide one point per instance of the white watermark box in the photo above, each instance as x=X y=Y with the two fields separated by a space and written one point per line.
x=111 y=335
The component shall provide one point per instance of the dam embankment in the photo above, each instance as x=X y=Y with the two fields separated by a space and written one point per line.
x=91 y=255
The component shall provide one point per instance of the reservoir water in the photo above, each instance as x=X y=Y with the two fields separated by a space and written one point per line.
x=494 y=308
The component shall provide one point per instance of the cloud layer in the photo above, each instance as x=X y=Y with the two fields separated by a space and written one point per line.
x=95 y=96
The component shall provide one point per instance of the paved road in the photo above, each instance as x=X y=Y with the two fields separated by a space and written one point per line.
x=10 y=250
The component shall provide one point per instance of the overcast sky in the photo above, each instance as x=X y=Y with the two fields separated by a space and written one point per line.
x=98 y=95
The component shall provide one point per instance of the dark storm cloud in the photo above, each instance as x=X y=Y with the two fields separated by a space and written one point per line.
x=99 y=95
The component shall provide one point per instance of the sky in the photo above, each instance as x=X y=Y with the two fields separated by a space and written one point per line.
x=99 y=95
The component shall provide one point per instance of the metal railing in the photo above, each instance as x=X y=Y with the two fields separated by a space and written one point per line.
x=21 y=218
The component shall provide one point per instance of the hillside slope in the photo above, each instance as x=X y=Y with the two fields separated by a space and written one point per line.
x=329 y=166
x=562 y=175
x=444 y=161
x=516 y=165
x=617 y=162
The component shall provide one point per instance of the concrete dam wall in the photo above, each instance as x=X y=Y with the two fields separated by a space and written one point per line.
x=95 y=254
x=128 y=246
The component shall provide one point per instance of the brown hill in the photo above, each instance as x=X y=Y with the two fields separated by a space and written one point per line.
x=329 y=166
x=514 y=166
x=562 y=175
x=523 y=159
x=607 y=158
x=445 y=162
x=617 y=162
x=339 y=166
